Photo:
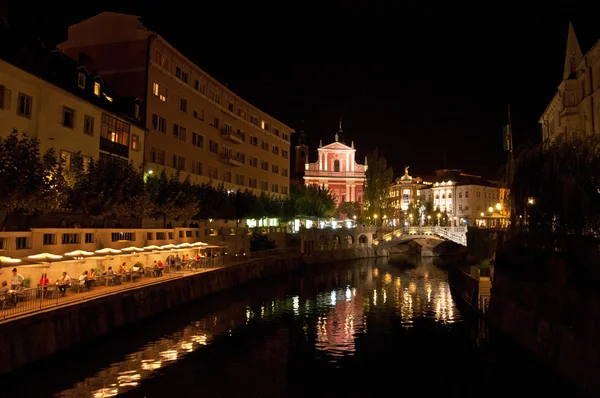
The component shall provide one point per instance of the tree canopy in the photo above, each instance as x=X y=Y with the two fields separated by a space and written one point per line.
x=378 y=179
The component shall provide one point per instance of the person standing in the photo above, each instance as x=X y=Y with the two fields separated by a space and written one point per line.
x=15 y=280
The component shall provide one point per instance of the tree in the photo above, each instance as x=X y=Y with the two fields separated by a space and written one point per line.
x=259 y=242
x=313 y=201
x=378 y=179
x=171 y=198
x=349 y=210
x=25 y=177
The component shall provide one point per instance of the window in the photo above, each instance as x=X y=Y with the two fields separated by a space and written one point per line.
x=466 y=194
x=68 y=117
x=228 y=127
x=242 y=113
x=253 y=140
x=136 y=111
x=275 y=188
x=198 y=113
x=81 y=80
x=264 y=165
x=4 y=102
x=24 y=105
x=216 y=97
x=197 y=168
x=253 y=161
x=158 y=156
x=284 y=172
x=252 y=182
x=264 y=185
x=135 y=142
x=88 y=125
x=275 y=168
x=114 y=130
x=241 y=157
x=214 y=121
x=97 y=88
x=276 y=131
x=162 y=60
x=159 y=123
x=275 y=150
x=226 y=175
x=336 y=165
x=286 y=136
x=262 y=124
x=239 y=179
x=196 y=84
x=181 y=74
x=254 y=120
x=213 y=146
x=230 y=106
x=183 y=105
x=179 y=162
x=213 y=172
x=265 y=145
x=159 y=91
x=197 y=140
x=65 y=159
x=179 y=132
x=284 y=190
x=286 y=154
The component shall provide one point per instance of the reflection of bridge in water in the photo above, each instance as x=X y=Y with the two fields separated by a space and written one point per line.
x=401 y=235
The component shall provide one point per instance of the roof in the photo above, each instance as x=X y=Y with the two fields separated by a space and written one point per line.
x=54 y=67
x=459 y=178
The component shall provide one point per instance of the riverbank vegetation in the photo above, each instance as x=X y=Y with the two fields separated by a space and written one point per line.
x=110 y=188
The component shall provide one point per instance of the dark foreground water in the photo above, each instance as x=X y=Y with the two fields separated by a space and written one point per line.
x=358 y=329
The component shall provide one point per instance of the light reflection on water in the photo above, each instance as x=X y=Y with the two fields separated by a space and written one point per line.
x=335 y=317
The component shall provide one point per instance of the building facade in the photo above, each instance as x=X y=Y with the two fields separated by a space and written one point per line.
x=196 y=125
x=49 y=97
x=299 y=159
x=404 y=193
x=467 y=199
x=337 y=170
x=574 y=111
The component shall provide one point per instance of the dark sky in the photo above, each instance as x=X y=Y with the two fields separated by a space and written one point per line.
x=414 y=81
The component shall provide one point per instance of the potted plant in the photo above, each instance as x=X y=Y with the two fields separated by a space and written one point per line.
x=26 y=282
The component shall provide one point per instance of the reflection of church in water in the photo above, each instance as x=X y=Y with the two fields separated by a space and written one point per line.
x=336 y=168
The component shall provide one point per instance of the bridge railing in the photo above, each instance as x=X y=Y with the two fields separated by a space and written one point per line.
x=455 y=234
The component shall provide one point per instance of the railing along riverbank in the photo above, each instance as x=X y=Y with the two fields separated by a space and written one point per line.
x=29 y=301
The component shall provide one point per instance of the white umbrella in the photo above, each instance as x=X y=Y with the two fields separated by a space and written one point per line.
x=184 y=245
x=79 y=253
x=108 y=250
x=152 y=247
x=169 y=246
x=45 y=257
x=133 y=249
x=8 y=260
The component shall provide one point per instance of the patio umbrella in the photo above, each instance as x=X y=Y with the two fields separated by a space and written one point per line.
x=45 y=258
x=108 y=250
x=79 y=254
x=8 y=260
x=184 y=245
x=152 y=247
x=167 y=247
x=133 y=249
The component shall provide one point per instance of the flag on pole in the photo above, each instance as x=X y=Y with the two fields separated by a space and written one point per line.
x=507 y=135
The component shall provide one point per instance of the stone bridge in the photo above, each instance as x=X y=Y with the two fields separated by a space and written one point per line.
x=401 y=235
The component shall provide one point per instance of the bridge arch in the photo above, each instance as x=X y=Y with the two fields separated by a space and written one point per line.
x=349 y=240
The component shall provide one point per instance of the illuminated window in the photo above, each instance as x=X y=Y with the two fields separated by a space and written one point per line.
x=135 y=142
x=97 y=88
x=115 y=130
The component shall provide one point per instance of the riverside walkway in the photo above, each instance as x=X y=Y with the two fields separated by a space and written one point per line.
x=27 y=302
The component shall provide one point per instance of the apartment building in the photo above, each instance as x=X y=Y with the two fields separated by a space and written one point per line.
x=468 y=199
x=67 y=107
x=196 y=125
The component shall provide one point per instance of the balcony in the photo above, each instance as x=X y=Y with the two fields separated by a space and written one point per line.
x=114 y=147
x=229 y=159
x=232 y=136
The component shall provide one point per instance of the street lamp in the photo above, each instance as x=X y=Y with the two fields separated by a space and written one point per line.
x=498 y=206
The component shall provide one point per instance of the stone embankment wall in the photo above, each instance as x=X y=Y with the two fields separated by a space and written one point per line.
x=34 y=337
x=43 y=334
x=556 y=322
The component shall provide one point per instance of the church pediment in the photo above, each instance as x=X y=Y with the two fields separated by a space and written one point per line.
x=337 y=146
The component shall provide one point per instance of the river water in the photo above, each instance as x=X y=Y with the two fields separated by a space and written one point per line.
x=357 y=329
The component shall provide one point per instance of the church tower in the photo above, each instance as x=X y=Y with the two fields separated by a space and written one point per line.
x=300 y=158
x=573 y=54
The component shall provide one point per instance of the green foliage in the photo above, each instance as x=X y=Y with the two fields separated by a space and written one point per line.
x=378 y=179
x=563 y=180
x=29 y=181
x=259 y=242
x=349 y=210
x=312 y=200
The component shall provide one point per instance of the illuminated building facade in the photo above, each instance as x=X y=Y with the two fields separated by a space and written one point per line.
x=337 y=170
x=405 y=192
x=196 y=125
x=66 y=106
x=574 y=111
x=466 y=198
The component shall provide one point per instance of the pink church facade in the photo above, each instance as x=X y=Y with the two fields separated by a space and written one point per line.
x=338 y=170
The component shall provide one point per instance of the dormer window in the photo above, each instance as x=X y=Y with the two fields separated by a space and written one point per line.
x=97 y=88
x=81 y=80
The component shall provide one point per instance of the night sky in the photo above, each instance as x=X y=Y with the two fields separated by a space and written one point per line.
x=415 y=82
